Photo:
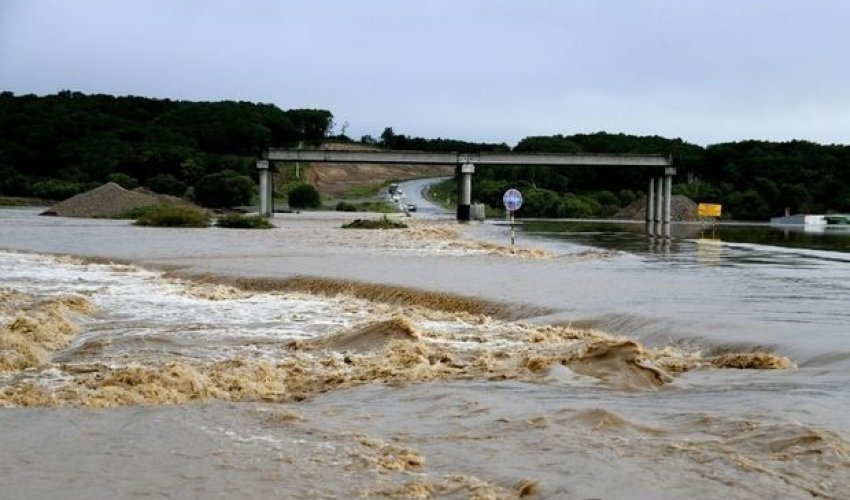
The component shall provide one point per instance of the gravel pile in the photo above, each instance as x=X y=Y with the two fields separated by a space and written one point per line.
x=109 y=200
x=682 y=208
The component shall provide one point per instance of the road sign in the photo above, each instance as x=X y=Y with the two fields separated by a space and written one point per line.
x=512 y=200
x=709 y=210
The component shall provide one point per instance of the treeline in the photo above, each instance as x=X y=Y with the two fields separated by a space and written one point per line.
x=58 y=145
x=391 y=140
x=753 y=180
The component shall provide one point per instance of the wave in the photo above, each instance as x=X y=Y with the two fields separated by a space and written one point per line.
x=389 y=294
x=37 y=328
x=393 y=350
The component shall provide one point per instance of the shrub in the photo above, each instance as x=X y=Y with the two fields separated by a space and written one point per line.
x=304 y=196
x=239 y=221
x=174 y=216
x=224 y=189
x=345 y=207
x=123 y=180
x=382 y=223
x=54 y=189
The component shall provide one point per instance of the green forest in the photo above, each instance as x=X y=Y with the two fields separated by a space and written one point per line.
x=55 y=146
x=753 y=180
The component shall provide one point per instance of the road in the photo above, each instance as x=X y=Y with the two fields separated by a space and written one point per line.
x=413 y=194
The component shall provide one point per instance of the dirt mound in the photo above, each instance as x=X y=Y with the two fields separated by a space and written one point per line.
x=339 y=178
x=110 y=200
x=682 y=208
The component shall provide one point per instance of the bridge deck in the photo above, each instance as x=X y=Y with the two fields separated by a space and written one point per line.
x=432 y=158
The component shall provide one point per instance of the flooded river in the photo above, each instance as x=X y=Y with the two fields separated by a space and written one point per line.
x=311 y=362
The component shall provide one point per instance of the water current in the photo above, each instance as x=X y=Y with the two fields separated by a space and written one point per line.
x=607 y=365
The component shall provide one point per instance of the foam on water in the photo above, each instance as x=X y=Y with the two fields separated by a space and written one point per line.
x=160 y=340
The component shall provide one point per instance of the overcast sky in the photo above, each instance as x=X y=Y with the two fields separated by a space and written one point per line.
x=484 y=70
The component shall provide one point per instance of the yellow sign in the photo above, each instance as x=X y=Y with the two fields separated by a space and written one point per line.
x=709 y=210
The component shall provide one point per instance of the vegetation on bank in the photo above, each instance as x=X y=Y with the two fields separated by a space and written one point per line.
x=173 y=216
x=20 y=202
x=304 y=196
x=241 y=221
x=382 y=223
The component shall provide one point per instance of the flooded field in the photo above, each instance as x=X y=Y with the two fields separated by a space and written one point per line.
x=311 y=362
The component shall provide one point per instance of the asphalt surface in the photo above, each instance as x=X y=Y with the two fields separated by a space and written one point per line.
x=413 y=192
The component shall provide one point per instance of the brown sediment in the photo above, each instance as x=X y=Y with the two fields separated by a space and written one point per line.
x=751 y=360
x=677 y=361
x=619 y=364
x=527 y=488
x=38 y=329
x=774 y=450
x=281 y=417
x=371 y=337
x=28 y=394
x=450 y=237
x=600 y=419
x=393 y=350
x=390 y=294
x=395 y=458
x=432 y=232
x=11 y=300
x=591 y=255
x=452 y=486
x=214 y=291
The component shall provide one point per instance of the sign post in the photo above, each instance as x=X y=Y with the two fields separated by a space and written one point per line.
x=512 y=200
x=711 y=210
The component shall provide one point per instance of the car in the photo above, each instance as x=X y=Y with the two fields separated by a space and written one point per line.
x=411 y=207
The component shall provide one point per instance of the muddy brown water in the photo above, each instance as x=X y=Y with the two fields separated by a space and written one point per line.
x=180 y=389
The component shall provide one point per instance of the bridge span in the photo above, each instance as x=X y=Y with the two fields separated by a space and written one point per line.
x=660 y=168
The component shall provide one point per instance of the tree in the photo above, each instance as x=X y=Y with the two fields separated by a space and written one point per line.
x=166 y=184
x=304 y=196
x=224 y=189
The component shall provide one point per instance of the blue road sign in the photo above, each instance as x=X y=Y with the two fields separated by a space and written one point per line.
x=512 y=199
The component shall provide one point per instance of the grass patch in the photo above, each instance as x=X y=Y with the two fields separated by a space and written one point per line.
x=173 y=216
x=366 y=191
x=240 y=221
x=444 y=193
x=382 y=223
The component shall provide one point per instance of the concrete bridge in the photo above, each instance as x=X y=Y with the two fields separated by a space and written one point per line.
x=659 y=167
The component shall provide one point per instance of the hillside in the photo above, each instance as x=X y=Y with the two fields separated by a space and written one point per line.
x=339 y=178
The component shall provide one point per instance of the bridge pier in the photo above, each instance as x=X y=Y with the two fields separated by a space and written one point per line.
x=464 y=193
x=659 y=198
x=266 y=188
x=650 y=202
x=668 y=195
